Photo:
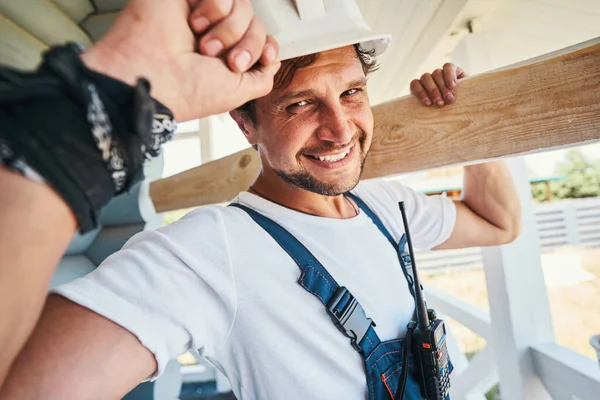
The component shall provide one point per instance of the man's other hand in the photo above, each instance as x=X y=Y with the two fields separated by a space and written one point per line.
x=202 y=57
x=438 y=87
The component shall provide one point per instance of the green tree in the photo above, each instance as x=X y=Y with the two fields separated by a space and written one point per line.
x=539 y=191
x=583 y=177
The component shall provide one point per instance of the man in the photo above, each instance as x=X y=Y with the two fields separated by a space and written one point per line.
x=215 y=280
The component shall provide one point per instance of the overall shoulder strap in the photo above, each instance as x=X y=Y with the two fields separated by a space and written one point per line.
x=363 y=206
x=344 y=310
x=398 y=247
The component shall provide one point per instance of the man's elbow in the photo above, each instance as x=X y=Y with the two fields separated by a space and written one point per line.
x=512 y=231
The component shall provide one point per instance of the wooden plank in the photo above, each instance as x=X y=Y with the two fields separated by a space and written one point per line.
x=44 y=20
x=220 y=181
x=534 y=107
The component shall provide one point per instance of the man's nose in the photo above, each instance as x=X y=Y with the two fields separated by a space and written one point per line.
x=336 y=125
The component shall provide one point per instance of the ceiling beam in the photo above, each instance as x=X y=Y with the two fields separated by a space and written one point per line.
x=106 y=6
x=550 y=102
x=97 y=25
x=77 y=10
x=438 y=38
x=44 y=20
x=19 y=48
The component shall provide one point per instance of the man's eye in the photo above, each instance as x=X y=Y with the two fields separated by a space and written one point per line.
x=351 y=92
x=299 y=104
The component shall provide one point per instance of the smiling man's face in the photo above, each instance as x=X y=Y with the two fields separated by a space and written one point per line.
x=315 y=132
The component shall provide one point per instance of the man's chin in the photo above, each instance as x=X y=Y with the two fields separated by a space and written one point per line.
x=323 y=182
x=340 y=187
x=324 y=187
x=339 y=184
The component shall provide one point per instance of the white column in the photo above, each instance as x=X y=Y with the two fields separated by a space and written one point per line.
x=518 y=301
x=519 y=308
x=206 y=133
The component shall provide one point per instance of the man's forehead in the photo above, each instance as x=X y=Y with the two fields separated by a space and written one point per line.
x=342 y=63
x=341 y=59
x=341 y=54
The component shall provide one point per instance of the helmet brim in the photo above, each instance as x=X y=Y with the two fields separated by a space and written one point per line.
x=369 y=41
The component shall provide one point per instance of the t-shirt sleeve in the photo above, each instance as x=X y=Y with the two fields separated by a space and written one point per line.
x=172 y=288
x=431 y=219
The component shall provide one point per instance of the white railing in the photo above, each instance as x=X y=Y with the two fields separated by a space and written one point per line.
x=471 y=379
x=521 y=354
x=564 y=372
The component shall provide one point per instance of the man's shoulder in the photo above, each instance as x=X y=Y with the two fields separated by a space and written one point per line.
x=381 y=191
x=208 y=222
x=201 y=236
x=201 y=216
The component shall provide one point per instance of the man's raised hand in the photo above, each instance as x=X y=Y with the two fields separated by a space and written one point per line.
x=202 y=57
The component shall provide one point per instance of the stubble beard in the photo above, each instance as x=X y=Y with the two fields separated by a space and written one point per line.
x=305 y=180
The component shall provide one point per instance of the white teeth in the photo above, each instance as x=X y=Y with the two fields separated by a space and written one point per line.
x=334 y=158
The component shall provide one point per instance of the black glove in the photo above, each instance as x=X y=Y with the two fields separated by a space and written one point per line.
x=86 y=134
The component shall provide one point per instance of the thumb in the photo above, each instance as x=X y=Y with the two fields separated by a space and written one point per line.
x=258 y=82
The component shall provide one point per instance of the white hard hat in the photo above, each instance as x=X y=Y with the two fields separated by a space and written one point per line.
x=310 y=26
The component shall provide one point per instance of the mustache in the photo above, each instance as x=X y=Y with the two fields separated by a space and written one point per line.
x=332 y=147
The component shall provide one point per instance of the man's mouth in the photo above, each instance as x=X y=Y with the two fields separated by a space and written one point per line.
x=333 y=160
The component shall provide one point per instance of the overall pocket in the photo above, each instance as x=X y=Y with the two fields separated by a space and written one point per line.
x=391 y=376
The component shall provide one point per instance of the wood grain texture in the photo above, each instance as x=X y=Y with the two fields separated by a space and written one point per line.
x=535 y=107
x=548 y=103
x=215 y=182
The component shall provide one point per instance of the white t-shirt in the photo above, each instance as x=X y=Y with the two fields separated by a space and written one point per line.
x=217 y=282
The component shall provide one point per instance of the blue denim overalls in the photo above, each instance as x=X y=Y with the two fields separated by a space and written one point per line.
x=382 y=360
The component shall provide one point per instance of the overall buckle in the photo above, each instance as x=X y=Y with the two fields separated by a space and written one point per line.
x=351 y=319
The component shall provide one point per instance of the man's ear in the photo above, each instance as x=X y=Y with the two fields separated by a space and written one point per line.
x=246 y=126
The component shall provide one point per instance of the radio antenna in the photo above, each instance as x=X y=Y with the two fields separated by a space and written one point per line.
x=422 y=317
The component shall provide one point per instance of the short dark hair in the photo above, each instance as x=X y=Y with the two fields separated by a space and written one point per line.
x=288 y=68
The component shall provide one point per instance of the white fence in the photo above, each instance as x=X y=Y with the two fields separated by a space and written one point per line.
x=573 y=222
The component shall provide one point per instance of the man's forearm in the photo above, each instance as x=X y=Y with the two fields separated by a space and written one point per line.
x=36 y=226
x=489 y=191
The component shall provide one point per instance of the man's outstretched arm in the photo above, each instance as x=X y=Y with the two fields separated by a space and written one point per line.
x=149 y=39
x=36 y=225
x=101 y=335
x=75 y=353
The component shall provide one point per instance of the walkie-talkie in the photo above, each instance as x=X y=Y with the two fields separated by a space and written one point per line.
x=428 y=335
